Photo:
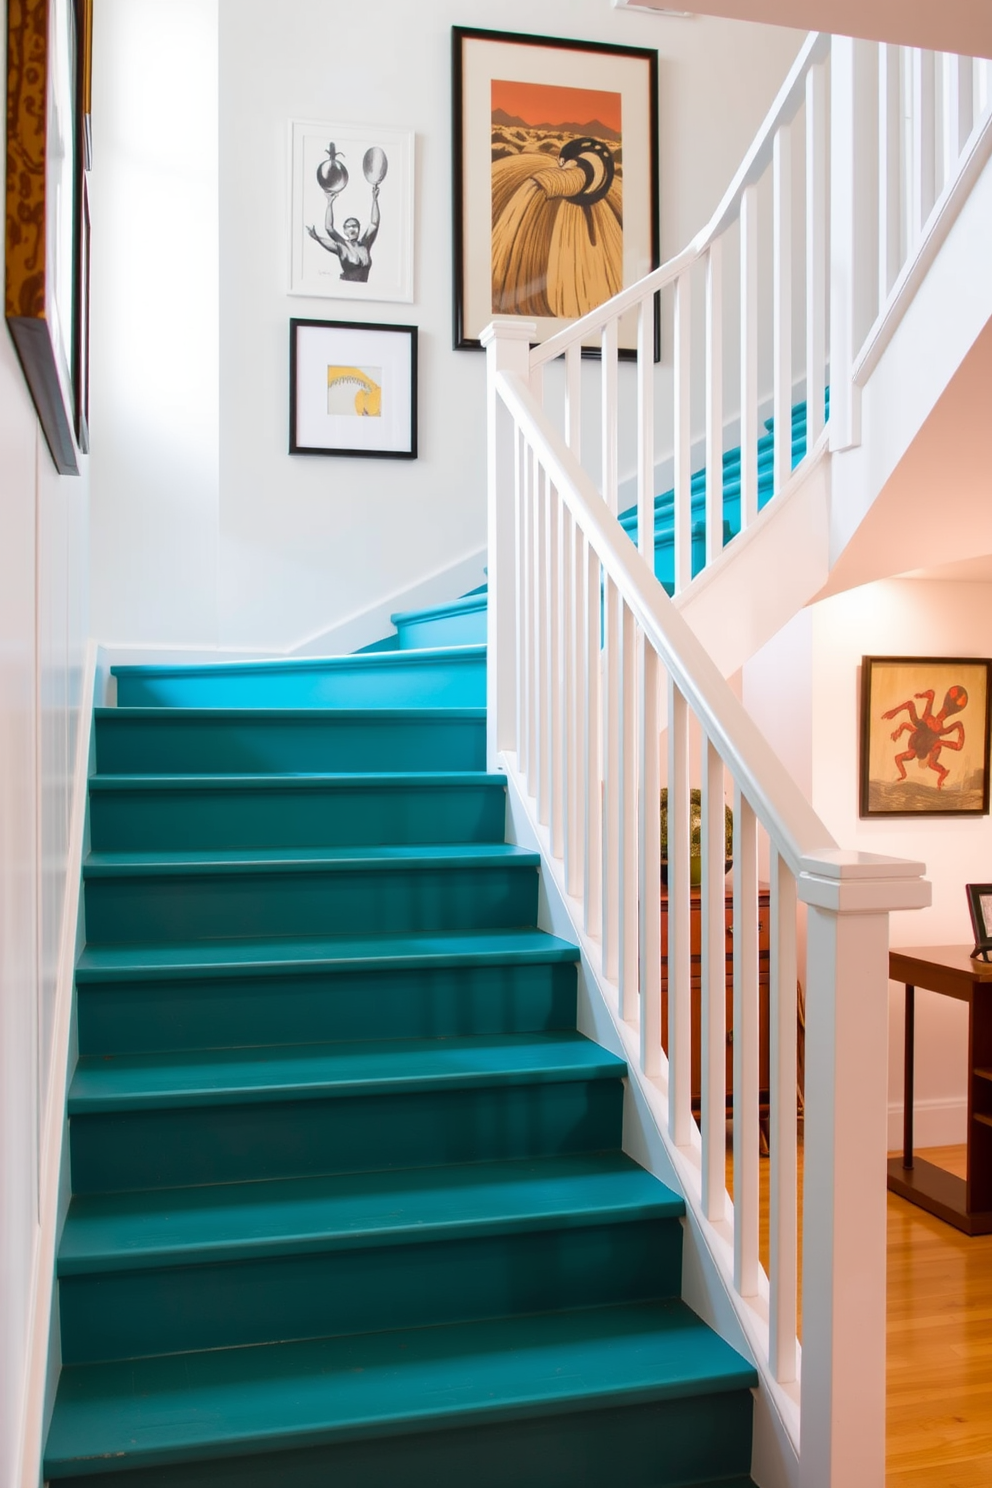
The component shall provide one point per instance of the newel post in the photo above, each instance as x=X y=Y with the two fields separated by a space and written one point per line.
x=849 y=897
x=507 y=344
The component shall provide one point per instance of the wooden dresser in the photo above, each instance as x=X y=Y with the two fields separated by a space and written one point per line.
x=695 y=926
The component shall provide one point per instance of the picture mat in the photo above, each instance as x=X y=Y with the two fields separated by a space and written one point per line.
x=892 y=683
x=313 y=270
x=484 y=60
x=318 y=348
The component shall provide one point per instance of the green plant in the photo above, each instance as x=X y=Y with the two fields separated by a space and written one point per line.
x=695 y=825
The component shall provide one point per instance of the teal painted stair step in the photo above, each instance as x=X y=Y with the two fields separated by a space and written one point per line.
x=242 y=1221
x=444 y=677
x=308 y=891
x=197 y=812
x=462 y=622
x=211 y=995
x=238 y=741
x=373 y=1387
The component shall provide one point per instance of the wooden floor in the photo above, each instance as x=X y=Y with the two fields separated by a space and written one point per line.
x=939 y=1396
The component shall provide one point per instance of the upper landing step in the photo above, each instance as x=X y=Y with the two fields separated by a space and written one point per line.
x=439 y=677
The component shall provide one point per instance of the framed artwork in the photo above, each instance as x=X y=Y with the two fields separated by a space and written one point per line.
x=48 y=91
x=555 y=178
x=352 y=389
x=980 y=909
x=924 y=736
x=352 y=211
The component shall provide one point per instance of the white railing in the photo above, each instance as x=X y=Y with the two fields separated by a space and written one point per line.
x=804 y=270
x=599 y=693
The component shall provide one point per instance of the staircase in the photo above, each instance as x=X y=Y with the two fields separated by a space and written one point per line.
x=349 y=1201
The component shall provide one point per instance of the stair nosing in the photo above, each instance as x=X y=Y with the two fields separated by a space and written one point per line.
x=207 y=863
x=304 y=666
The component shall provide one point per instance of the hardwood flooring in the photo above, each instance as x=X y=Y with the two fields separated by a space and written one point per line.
x=939 y=1395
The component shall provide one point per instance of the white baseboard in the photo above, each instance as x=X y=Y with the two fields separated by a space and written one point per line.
x=936 y=1123
x=373 y=624
x=43 y=1359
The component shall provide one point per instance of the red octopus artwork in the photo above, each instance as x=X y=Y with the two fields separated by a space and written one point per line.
x=928 y=734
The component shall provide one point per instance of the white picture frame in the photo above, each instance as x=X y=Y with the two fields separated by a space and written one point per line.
x=365 y=170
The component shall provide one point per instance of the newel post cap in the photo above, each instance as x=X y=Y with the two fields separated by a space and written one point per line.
x=861 y=883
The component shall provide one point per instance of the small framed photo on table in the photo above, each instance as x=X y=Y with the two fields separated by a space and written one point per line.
x=980 y=908
x=352 y=389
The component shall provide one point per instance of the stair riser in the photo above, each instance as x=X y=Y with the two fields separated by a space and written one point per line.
x=224 y=1144
x=659 y=1444
x=444 y=630
x=164 y=910
x=438 y=1002
x=149 y=819
x=129 y=1314
x=445 y=683
x=160 y=743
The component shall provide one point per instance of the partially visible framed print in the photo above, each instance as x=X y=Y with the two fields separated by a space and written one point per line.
x=352 y=211
x=555 y=178
x=48 y=90
x=980 y=909
x=925 y=736
x=352 y=389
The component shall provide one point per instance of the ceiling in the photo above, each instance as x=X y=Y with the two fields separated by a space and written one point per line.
x=952 y=26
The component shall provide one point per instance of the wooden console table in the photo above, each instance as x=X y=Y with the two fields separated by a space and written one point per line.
x=965 y=1203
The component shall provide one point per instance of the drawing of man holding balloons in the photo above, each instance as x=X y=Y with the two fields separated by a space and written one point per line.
x=351 y=246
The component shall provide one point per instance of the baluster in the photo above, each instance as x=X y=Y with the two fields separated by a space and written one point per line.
x=610 y=400
x=889 y=247
x=782 y=1126
x=980 y=86
x=573 y=399
x=683 y=432
x=679 y=943
x=523 y=558
x=543 y=762
x=816 y=251
x=744 y=941
x=782 y=295
x=845 y=406
x=713 y=988
x=611 y=782
x=534 y=625
x=924 y=129
x=627 y=887
x=714 y=400
x=645 y=429
x=749 y=356
x=649 y=838
x=951 y=134
x=556 y=700
x=592 y=887
x=571 y=641
x=966 y=99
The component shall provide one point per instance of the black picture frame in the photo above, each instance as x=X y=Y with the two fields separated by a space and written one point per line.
x=980 y=909
x=925 y=736
x=378 y=420
x=49 y=51
x=625 y=70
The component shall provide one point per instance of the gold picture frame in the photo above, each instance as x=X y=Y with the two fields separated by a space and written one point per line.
x=49 y=48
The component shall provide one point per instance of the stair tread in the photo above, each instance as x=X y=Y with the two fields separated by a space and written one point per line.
x=242 y=957
x=314 y=1071
x=297 y=859
x=301 y=780
x=264 y=1397
x=467 y=604
x=112 y=1232
x=284 y=715
x=268 y=666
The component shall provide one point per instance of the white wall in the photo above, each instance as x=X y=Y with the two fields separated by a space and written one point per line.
x=267 y=549
x=804 y=689
x=43 y=585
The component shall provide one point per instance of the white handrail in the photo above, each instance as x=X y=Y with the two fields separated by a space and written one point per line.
x=790 y=97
